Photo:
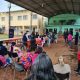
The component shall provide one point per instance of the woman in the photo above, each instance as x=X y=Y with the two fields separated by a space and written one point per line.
x=70 y=37
x=42 y=69
x=76 y=38
x=62 y=70
x=37 y=52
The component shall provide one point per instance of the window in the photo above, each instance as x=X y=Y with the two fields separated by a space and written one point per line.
x=25 y=17
x=26 y=27
x=20 y=27
x=34 y=16
x=19 y=17
x=11 y=17
x=3 y=18
x=50 y=30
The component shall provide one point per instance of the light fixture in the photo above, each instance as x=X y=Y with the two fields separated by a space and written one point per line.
x=42 y=5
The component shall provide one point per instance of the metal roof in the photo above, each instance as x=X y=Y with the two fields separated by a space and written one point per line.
x=49 y=8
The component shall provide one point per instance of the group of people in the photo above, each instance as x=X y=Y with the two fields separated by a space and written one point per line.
x=36 y=39
x=68 y=37
x=36 y=62
x=52 y=37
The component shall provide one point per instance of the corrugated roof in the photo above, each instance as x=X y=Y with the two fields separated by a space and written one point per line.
x=49 y=8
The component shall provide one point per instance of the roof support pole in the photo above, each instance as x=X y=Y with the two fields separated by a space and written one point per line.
x=9 y=6
x=31 y=22
x=73 y=6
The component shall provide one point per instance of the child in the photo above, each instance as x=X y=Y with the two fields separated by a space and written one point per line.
x=14 y=52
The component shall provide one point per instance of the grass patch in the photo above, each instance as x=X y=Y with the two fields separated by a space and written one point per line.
x=5 y=36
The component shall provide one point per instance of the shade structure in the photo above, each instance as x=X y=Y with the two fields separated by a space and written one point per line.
x=49 y=8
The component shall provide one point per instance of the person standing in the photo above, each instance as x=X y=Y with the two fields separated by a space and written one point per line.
x=49 y=39
x=56 y=37
x=24 y=41
x=33 y=42
x=70 y=40
x=76 y=38
x=65 y=36
x=37 y=34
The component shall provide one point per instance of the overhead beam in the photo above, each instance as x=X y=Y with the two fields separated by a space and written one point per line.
x=65 y=3
x=41 y=6
x=29 y=8
x=73 y=6
x=79 y=8
x=58 y=6
x=52 y=8
x=36 y=9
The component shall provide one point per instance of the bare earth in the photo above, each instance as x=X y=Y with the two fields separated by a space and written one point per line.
x=54 y=52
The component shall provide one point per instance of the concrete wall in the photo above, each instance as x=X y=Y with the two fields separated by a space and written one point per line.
x=67 y=17
x=20 y=24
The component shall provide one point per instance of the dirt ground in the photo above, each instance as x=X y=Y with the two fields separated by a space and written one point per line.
x=54 y=52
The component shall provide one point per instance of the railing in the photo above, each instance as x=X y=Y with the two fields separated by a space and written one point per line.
x=9 y=40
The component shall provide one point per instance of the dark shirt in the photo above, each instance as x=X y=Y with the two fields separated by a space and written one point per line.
x=65 y=34
x=24 y=38
x=3 y=50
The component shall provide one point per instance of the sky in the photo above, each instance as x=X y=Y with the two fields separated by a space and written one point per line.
x=4 y=6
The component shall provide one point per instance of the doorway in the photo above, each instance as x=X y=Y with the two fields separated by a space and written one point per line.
x=71 y=31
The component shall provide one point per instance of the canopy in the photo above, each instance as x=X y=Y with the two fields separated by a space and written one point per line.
x=49 y=8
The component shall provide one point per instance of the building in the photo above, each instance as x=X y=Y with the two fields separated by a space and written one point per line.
x=22 y=21
x=62 y=22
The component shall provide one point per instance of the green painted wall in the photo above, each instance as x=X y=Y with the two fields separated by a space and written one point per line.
x=66 y=17
x=63 y=17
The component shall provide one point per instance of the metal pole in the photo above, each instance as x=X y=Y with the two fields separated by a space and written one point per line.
x=48 y=21
x=9 y=15
x=31 y=23
x=42 y=25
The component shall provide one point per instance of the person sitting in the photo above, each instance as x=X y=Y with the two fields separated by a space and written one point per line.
x=2 y=60
x=62 y=70
x=3 y=53
x=3 y=49
x=38 y=41
x=36 y=53
x=13 y=52
x=26 y=60
x=42 y=69
x=70 y=38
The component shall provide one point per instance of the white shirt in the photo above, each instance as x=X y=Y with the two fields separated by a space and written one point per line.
x=62 y=69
